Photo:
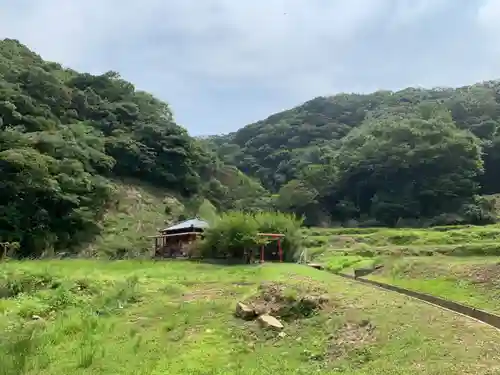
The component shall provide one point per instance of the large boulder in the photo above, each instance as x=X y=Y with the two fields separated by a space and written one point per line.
x=270 y=322
x=244 y=312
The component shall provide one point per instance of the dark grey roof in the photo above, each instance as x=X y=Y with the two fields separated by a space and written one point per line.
x=195 y=223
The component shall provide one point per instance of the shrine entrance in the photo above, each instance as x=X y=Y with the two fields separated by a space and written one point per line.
x=272 y=251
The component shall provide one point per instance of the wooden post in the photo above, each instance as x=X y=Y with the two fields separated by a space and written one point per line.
x=262 y=254
x=280 y=250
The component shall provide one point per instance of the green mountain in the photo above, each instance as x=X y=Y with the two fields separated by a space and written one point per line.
x=65 y=135
x=417 y=153
x=69 y=140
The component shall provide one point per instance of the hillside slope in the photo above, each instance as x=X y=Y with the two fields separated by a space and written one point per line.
x=65 y=134
x=138 y=212
x=276 y=148
x=414 y=154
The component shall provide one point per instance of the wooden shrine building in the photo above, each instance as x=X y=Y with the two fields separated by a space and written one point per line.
x=175 y=241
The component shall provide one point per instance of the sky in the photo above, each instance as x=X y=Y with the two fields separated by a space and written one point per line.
x=222 y=64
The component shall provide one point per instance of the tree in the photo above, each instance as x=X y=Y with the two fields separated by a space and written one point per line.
x=63 y=134
x=296 y=196
x=410 y=167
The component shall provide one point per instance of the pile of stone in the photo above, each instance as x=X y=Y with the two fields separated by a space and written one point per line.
x=265 y=320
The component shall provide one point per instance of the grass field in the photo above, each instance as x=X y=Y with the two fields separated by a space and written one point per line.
x=473 y=281
x=460 y=263
x=142 y=317
x=451 y=240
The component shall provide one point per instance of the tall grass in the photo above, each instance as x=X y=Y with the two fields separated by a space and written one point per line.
x=235 y=233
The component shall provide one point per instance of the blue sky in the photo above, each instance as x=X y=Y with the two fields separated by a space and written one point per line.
x=222 y=64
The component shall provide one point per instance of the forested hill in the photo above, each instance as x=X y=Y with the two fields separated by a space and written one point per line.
x=411 y=154
x=64 y=134
x=414 y=157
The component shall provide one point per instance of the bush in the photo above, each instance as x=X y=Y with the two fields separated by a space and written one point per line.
x=234 y=233
x=289 y=225
x=481 y=211
x=230 y=236
x=173 y=207
x=208 y=212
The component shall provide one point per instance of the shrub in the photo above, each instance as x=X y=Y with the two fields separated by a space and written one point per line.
x=481 y=211
x=230 y=236
x=234 y=233
x=287 y=224
x=173 y=207
x=208 y=212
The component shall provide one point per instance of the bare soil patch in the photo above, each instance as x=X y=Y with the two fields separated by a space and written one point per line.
x=482 y=274
x=207 y=294
x=288 y=302
x=351 y=337
x=415 y=270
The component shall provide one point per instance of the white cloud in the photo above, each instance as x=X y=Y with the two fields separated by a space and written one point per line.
x=188 y=51
x=488 y=19
x=227 y=39
x=489 y=15
x=409 y=12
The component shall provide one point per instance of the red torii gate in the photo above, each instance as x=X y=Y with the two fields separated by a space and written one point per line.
x=274 y=236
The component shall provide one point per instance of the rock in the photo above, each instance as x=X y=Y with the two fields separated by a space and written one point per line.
x=315 y=301
x=36 y=317
x=268 y=321
x=311 y=302
x=364 y=323
x=282 y=334
x=324 y=299
x=316 y=265
x=261 y=310
x=244 y=312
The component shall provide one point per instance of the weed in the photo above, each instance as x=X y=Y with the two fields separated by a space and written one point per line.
x=129 y=317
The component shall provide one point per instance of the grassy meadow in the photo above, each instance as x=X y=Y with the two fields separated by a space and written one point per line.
x=460 y=263
x=143 y=317
x=473 y=281
x=176 y=317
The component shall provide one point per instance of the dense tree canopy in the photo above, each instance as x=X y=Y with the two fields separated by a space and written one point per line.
x=408 y=168
x=63 y=133
x=410 y=154
x=414 y=156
